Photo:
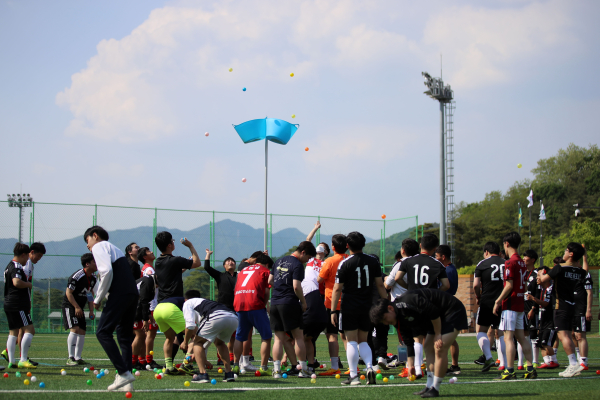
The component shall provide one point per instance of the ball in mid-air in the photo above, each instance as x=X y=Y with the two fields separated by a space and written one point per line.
x=244 y=180
x=292 y=74
x=306 y=149
x=206 y=134
x=293 y=115
x=383 y=216
x=151 y=352
x=519 y=165
x=244 y=89
x=230 y=69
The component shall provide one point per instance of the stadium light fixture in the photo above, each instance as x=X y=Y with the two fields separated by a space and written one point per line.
x=21 y=201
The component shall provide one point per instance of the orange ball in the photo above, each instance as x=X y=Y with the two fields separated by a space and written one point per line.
x=362 y=377
x=383 y=216
x=306 y=149
x=29 y=374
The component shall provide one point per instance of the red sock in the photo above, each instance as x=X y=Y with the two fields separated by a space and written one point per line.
x=231 y=357
x=142 y=360
x=149 y=359
x=250 y=351
x=219 y=357
x=134 y=358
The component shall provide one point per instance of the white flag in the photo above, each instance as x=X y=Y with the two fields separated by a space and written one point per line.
x=542 y=214
x=530 y=198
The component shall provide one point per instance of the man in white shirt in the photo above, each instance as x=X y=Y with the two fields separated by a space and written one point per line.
x=118 y=286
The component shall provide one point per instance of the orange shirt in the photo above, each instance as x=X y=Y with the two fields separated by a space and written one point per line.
x=328 y=273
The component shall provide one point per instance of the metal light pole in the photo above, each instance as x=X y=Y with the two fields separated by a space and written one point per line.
x=443 y=94
x=21 y=201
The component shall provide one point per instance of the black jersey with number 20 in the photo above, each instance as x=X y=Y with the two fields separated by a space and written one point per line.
x=358 y=273
x=423 y=271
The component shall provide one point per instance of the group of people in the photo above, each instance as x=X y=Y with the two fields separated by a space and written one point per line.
x=301 y=295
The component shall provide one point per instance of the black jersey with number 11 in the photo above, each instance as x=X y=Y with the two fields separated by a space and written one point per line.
x=358 y=273
x=423 y=271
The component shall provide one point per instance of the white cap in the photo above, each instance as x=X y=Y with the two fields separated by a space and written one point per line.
x=320 y=249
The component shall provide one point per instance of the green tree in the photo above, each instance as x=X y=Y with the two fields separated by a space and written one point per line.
x=200 y=280
x=586 y=232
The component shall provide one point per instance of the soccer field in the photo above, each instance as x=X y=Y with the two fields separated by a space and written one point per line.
x=50 y=351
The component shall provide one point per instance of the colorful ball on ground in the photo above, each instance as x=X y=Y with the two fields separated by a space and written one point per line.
x=134 y=370
x=186 y=383
x=385 y=380
x=313 y=376
x=128 y=395
x=42 y=385
x=86 y=369
x=455 y=379
x=324 y=366
x=5 y=375
x=412 y=378
x=33 y=379
x=89 y=382
x=26 y=382
x=391 y=377
x=148 y=367
x=92 y=368
x=337 y=376
x=29 y=374
x=95 y=372
x=157 y=376
x=214 y=381
x=379 y=377
x=235 y=376
x=313 y=381
x=598 y=372
x=137 y=373
x=105 y=372
x=63 y=373
x=220 y=371
x=362 y=377
x=162 y=375
x=257 y=373
x=452 y=380
x=18 y=374
x=164 y=370
x=284 y=376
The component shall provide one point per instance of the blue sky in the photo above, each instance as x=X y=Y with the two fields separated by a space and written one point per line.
x=108 y=102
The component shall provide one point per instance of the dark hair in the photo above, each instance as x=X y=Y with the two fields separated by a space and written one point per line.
x=20 y=249
x=129 y=248
x=86 y=258
x=257 y=253
x=142 y=253
x=410 y=246
x=339 y=243
x=429 y=241
x=378 y=310
x=558 y=260
x=503 y=254
x=513 y=239
x=308 y=248
x=327 y=251
x=162 y=240
x=244 y=260
x=227 y=259
x=356 y=241
x=531 y=254
x=98 y=230
x=491 y=247
x=444 y=250
x=398 y=256
x=264 y=259
x=192 y=294
x=38 y=247
x=577 y=250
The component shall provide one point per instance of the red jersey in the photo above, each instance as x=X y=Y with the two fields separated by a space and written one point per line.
x=249 y=292
x=515 y=270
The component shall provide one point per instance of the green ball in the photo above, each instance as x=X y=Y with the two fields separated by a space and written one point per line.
x=391 y=377
x=379 y=377
x=89 y=382
x=134 y=370
x=18 y=374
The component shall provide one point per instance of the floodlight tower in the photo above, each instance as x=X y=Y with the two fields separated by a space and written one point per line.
x=21 y=201
x=444 y=95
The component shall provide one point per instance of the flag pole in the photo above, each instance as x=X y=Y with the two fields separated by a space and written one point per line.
x=266 y=181
x=541 y=241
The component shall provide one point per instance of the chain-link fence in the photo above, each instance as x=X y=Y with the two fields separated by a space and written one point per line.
x=61 y=226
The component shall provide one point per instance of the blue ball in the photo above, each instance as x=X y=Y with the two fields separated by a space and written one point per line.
x=244 y=89
x=100 y=375
x=42 y=385
x=214 y=381
x=284 y=376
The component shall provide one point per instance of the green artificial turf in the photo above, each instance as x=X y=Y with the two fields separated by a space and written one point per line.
x=50 y=351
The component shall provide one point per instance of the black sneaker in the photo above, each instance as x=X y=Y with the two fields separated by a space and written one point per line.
x=186 y=369
x=251 y=358
x=493 y=348
x=153 y=365
x=420 y=392
x=220 y=362
x=454 y=369
x=137 y=365
x=293 y=372
x=430 y=393
x=201 y=378
x=228 y=377
x=173 y=371
x=32 y=362
x=530 y=374
x=371 y=378
x=480 y=360
x=270 y=359
x=487 y=365
x=340 y=364
x=352 y=381
x=361 y=362
x=315 y=365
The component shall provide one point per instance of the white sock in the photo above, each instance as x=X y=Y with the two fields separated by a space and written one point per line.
x=429 y=379
x=578 y=355
x=11 y=345
x=245 y=360
x=553 y=357
x=418 y=358
x=79 y=347
x=547 y=359
x=502 y=352
x=277 y=366
x=335 y=362
x=366 y=354
x=25 y=344
x=437 y=382
x=535 y=351
x=520 y=353
x=352 y=355
x=71 y=343
x=484 y=345
x=572 y=359
x=303 y=365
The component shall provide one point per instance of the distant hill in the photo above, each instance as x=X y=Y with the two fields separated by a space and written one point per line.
x=392 y=245
x=232 y=239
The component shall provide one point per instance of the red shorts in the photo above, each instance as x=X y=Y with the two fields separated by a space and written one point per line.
x=140 y=324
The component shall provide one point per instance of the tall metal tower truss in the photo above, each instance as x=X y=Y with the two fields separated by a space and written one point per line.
x=450 y=234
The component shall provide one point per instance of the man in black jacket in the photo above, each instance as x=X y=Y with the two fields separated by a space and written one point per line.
x=226 y=284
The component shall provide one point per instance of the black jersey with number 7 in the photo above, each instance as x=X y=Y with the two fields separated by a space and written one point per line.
x=423 y=271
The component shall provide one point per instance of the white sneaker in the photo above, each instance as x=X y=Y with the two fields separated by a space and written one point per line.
x=248 y=367
x=304 y=374
x=382 y=364
x=575 y=370
x=121 y=380
x=568 y=372
x=126 y=388
x=276 y=374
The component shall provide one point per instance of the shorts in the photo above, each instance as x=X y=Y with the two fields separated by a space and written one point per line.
x=457 y=320
x=486 y=317
x=137 y=325
x=286 y=317
x=332 y=329
x=315 y=317
x=580 y=324
x=218 y=327
x=511 y=321
x=547 y=337
x=169 y=316
x=356 y=319
x=563 y=320
x=70 y=321
x=255 y=318
x=18 y=319
x=531 y=325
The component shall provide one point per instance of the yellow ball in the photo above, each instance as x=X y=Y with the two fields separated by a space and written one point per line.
x=230 y=69
x=164 y=370
x=292 y=74
x=26 y=381
x=62 y=370
x=412 y=378
x=313 y=381
x=519 y=165
x=337 y=376
x=293 y=115
x=186 y=383
x=151 y=352
x=385 y=380
x=220 y=371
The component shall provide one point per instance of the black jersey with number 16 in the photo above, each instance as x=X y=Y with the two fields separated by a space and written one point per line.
x=423 y=271
x=491 y=273
x=358 y=273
